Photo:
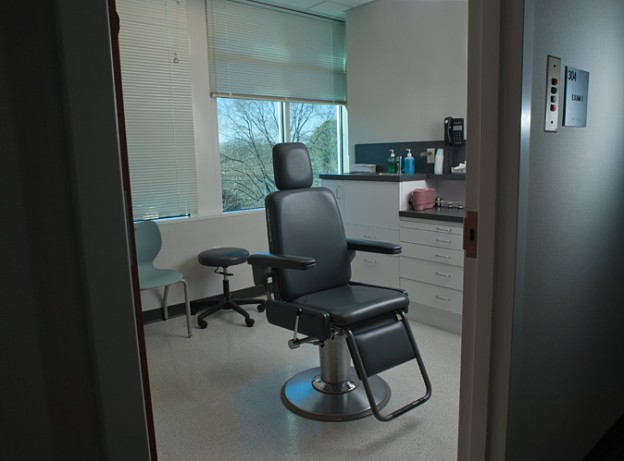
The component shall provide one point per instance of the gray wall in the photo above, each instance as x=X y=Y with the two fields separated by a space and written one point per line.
x=406 y=69
x=567 y=349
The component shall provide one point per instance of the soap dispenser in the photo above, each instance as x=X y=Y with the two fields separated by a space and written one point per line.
x=392 y=162
x=408 y=163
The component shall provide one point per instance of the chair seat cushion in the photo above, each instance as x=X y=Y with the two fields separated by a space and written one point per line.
x=349 y=304
x=152 y=277
x=223 y=256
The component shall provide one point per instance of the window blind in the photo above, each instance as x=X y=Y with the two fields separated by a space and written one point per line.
x=260 y=52
x=156 y=81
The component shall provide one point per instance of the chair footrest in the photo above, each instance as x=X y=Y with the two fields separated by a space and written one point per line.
x=382 y=346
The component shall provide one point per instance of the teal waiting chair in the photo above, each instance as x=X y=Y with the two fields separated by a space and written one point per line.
x=148 y=245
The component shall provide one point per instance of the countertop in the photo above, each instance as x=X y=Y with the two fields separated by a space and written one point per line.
x=436 y=214
x=390 y=177
x=387 y=177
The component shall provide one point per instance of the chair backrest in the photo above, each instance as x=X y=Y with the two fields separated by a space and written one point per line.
x=304 y=221
x=148 y=242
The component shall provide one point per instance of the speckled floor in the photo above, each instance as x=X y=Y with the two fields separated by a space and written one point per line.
x=216 y=396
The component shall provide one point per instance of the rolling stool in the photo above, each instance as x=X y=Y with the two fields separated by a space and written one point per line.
x=224 y=257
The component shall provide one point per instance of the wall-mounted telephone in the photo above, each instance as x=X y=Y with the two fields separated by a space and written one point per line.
x=454 y=131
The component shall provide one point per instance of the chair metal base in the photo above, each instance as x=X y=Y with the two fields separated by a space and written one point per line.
x=302 y=396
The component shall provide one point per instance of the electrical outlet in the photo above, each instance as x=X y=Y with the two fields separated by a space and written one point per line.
x=431 y=155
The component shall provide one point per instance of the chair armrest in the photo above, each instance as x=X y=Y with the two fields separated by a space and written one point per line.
x=281 y=261
x=263 y=264
x=373 y=246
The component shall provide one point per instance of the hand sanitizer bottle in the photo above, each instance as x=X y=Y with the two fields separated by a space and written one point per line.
x=408 y=163
x=392 y=166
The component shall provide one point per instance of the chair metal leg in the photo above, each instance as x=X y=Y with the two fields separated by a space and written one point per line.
x=333 y=392
x=227 y=301
x=165 y=306
x=187 y=305
x=361 y=369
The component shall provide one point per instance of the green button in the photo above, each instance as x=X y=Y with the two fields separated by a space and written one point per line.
x=553 y=90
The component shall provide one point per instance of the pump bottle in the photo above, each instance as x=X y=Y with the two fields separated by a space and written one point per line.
x=392 y=162
x=408 y=163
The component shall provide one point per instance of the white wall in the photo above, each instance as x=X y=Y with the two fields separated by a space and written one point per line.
x=184 y=239
x=406 y=69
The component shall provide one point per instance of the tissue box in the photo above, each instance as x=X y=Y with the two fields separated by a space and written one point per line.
x=363 y=168
x=422 y=199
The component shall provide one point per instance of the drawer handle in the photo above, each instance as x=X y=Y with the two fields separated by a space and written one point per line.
x=441 y=274
x=443 y=298
x=443 y=241
x=370 y=237
x=442 y=256
x=444 y=229
x=369 y=261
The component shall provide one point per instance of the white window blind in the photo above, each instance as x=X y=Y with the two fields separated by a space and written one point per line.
x=260 y=52
x=156 y=81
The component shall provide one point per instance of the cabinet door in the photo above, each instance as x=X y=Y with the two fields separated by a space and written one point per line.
x=435 y=296
x=336 y=186
x=450 y=241
x=376 y=269
x=431 y=253
x=377 y=234
x=433 y=273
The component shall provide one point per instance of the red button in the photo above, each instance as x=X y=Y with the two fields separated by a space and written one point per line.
x=554 y=81
x=553 y=107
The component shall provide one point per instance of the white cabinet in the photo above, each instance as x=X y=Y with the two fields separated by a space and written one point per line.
x=370 y=210
x=335 y=185
x=431 y=270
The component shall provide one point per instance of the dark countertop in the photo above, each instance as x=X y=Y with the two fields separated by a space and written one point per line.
x=387 y=177
x=436 y=214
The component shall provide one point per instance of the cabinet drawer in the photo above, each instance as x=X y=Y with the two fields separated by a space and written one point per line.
x=434 y=296
x=376 y=269
x=439 y=255
x=434 y=273
x=377 y=234
x=432 y=226
x=435 y=239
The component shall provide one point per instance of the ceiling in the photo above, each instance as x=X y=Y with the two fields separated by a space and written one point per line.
x=333 y=9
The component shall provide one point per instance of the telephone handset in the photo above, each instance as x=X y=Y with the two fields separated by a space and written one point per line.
x=454 y=131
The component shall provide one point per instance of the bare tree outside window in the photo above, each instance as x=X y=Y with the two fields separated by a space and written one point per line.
x=248 y=129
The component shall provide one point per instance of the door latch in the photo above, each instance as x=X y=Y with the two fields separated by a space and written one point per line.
x=471 y=224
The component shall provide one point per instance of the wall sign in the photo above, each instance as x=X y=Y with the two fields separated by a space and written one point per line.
x=576 y=88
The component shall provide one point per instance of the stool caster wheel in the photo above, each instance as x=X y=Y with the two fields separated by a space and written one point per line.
x=249 y=321
x=202 y=323
x=261 y=307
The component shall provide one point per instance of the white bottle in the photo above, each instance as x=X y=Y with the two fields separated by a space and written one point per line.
x=439 y=161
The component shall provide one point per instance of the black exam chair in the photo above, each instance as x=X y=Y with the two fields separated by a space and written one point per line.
x=309 y=266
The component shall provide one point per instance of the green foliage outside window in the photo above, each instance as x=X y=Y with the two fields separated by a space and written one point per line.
x=248 y=130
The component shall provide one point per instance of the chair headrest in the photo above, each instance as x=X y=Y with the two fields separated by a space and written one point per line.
x=291 y=166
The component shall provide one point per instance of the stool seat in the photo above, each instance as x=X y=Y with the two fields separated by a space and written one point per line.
x=223 y=256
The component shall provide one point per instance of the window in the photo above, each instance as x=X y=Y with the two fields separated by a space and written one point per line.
x=277 y=76
x=155 y=69
x=248 y=129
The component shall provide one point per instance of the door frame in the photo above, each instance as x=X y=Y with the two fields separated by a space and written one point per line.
x=496 y=133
